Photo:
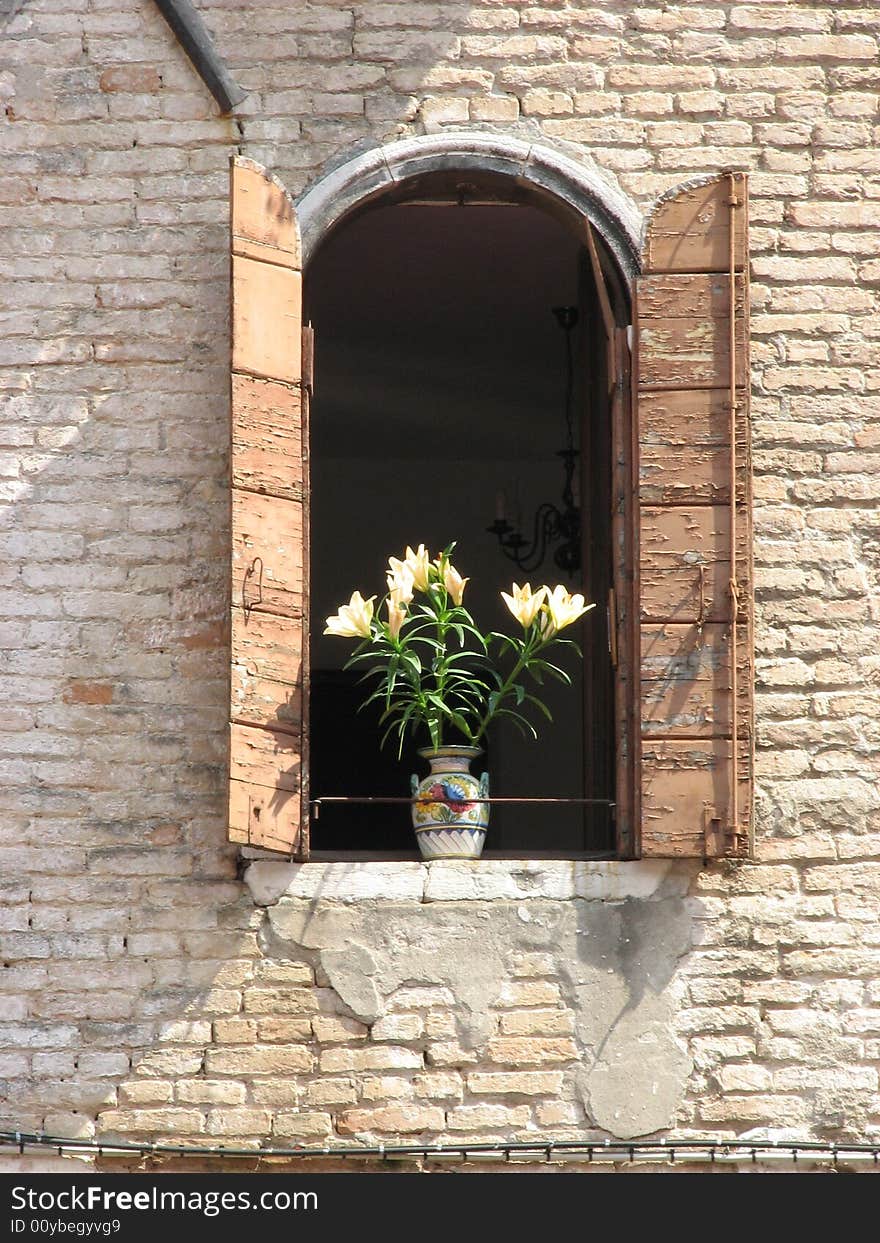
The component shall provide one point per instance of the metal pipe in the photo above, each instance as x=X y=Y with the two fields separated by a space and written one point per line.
x=734 y=586
x=591 y=1150
x=193 y=36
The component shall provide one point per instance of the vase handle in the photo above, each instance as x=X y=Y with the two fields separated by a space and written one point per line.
x=414 y=784
x=484 y=785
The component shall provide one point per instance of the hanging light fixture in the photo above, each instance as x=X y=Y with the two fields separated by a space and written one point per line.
x=553 y=524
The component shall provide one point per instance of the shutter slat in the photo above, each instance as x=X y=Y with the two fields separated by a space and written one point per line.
x=685 y=786
x=685 y=562
x=263 y=214
x=686 y=680
x=262 y=815
x=684 y=387
x=266 y=669
x=268 y=757
x=267 y=530
x=267 y=320
x=691 y=425
x=685 y=331
x=689 y=230
x=266 y=437
x=269 y=476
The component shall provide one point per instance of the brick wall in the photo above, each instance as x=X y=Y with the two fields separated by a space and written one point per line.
x=143 y=991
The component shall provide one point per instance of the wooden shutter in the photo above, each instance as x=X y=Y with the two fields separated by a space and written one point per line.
x=269 y=626
x=695 y=600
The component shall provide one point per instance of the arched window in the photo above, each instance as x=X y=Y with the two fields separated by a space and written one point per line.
x=443 y=316
x=445 y=390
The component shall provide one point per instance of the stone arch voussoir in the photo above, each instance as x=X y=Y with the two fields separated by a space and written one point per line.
x=572 y=182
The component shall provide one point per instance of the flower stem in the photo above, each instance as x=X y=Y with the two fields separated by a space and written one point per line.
x=530 y=647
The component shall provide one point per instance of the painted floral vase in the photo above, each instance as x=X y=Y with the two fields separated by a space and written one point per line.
x=448 y=822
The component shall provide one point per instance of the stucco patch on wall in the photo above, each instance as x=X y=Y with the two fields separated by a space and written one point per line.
x=607 y=967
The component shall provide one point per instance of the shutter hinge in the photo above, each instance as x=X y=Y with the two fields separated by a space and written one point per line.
x=713 y=834
x=308 y=359
x=719 y=838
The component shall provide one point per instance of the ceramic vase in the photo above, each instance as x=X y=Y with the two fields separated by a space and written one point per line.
x=448 y=822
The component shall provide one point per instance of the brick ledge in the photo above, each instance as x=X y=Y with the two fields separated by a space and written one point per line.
x=608 y=880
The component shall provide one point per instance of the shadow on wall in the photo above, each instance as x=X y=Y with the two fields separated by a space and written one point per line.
x=148 y=996
x=116 y=869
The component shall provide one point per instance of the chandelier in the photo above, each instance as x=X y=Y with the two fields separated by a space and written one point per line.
x=556 y=526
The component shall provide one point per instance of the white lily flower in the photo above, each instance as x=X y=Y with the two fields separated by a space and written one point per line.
x=353 y=619
x=524 y=604
x=418 y=563
x=562 y=609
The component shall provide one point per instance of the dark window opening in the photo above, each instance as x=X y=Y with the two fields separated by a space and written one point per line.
x=440 y=384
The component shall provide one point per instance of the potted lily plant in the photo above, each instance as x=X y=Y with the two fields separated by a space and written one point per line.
x=434 y=672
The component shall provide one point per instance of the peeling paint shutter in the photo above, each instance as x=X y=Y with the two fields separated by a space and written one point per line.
x=692 y=388
x=269 y=564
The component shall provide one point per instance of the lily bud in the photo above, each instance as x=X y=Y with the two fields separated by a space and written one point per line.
x=401 y=581
x=396 y=613
x=454 y=582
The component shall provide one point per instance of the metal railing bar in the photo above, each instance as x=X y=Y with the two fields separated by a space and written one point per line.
x=345 y=798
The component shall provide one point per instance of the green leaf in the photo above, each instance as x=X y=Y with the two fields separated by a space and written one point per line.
x=525 y=727
x=542 y=707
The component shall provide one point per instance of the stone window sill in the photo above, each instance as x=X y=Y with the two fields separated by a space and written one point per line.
x=459 y=880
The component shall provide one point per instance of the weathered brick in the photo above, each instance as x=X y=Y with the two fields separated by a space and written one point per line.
x=152 y=1121
x=515 y=1083
x=338 y=1029
x=529 y=993
x=537 y=1023
x=531 y=1050
x=439 y=1085
x=211 y=1092
x=487 y=1117
x=494 y=108
x=449 y=1053
x=280 y=1001
x=385 y=1088
x=136 y=79
x=239 y=1122
x=394 y=1119
x=258 y=1060
x=302 y=1126
x=275 y=1091
x=398 y=1027
x=332 y=1092
x=284 y=1029
x=379 y=1057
